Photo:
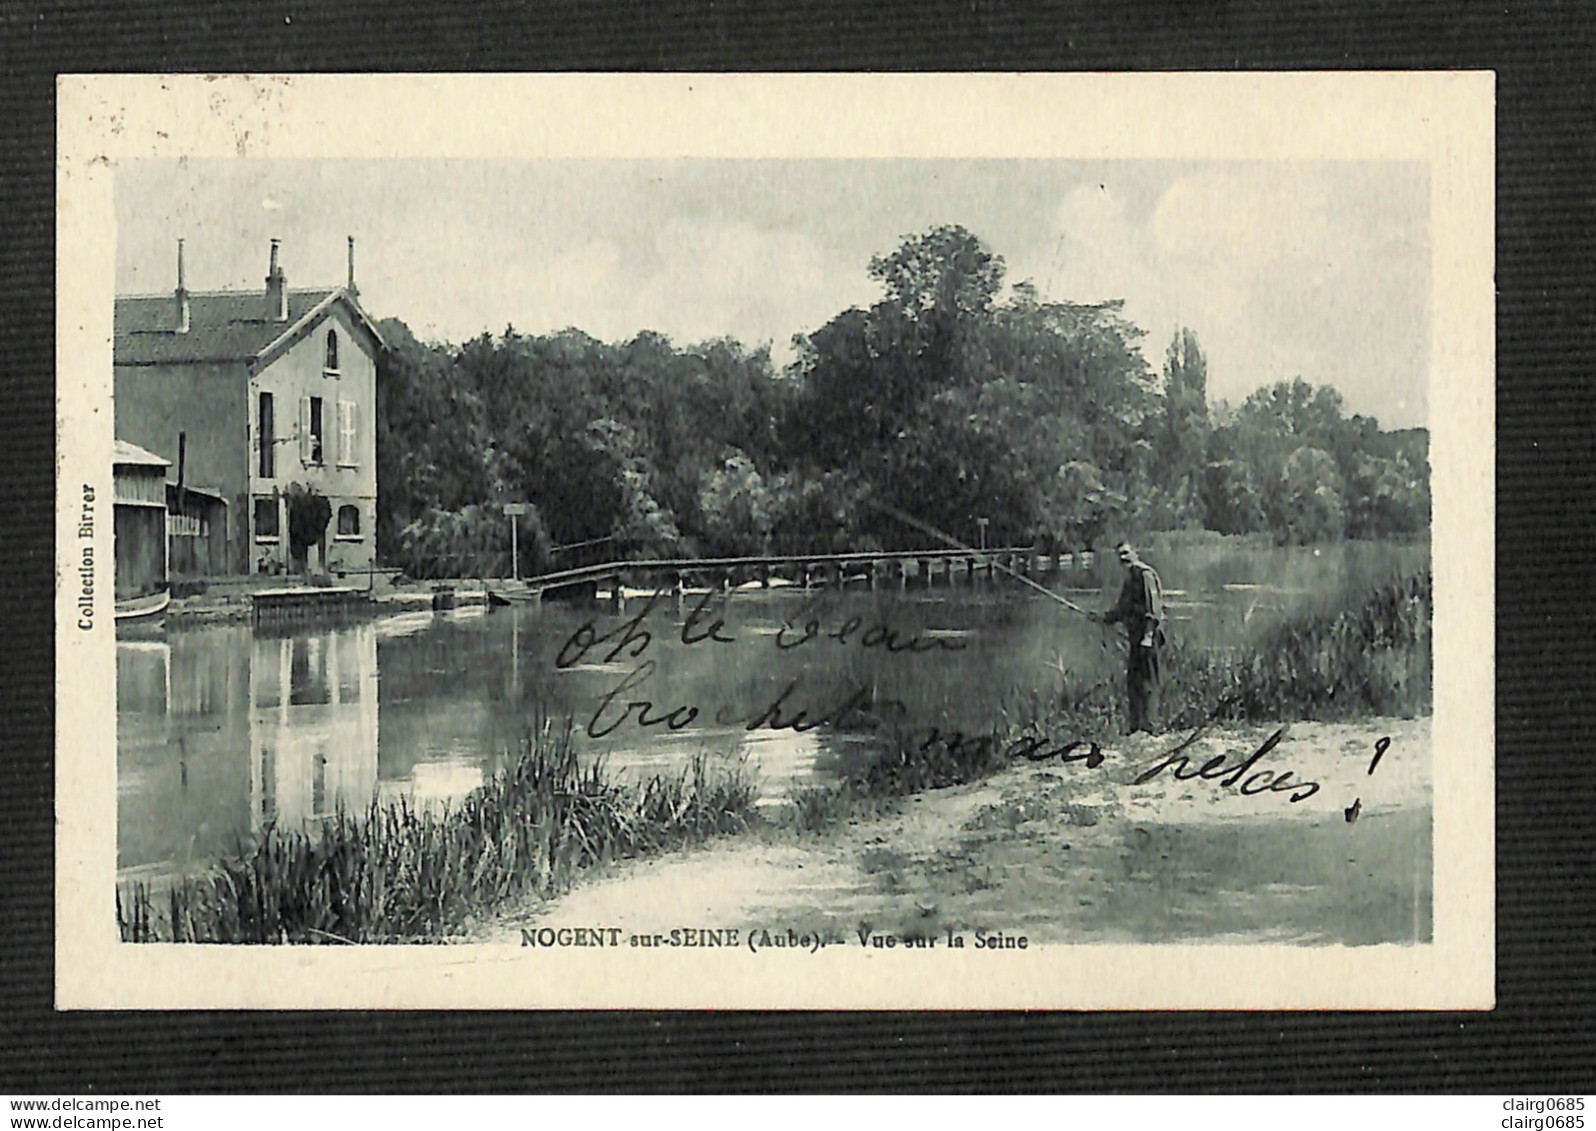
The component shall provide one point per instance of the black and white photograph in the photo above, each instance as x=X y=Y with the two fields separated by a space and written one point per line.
x=1047 y=566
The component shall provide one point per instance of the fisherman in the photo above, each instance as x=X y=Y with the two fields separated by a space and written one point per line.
x=1141 y=610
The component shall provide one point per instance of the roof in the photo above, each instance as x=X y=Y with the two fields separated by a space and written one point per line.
x=223 y=325
x=212 y=493
x=124 y=454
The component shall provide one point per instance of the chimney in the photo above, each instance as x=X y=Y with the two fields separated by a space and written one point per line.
x=276 y=290
x=353 y=290
x=182 y=293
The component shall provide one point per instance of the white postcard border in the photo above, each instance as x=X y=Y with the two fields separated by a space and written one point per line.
x=1444 y=119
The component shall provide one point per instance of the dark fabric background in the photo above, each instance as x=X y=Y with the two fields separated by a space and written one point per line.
x=1540 y=1037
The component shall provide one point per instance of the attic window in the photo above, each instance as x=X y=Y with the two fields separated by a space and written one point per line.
x=332 y=352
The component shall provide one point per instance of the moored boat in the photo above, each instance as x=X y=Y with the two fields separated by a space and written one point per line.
x=501 y=594
x=143 y=614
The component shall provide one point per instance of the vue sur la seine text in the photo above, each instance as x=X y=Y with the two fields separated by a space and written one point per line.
x=757 y=939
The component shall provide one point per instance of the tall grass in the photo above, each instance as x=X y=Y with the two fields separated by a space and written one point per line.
x=1368 y=660
x=399 y=873
x=1372 y=659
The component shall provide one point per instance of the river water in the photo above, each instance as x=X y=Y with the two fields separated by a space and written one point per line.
x=221 y=730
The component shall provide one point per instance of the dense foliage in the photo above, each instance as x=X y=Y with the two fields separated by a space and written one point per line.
x=309 y=512
x=945 y=400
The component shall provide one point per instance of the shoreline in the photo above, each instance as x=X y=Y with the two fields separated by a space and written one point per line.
x=1063 y=855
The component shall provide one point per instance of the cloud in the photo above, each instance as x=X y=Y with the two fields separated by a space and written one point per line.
x=1099 y=252
x=1255 y=217
x=691 y=279
x=1281 y=273
x=1089 y=209
x=712 y=278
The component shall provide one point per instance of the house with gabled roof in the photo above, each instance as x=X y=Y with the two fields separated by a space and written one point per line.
x=260 y=391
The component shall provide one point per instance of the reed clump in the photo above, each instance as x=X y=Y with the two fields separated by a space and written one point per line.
x=1371 y=659
x=402 y=873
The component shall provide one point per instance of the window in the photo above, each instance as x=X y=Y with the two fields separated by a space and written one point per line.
x=268 y=437
x=314 y=426
x=332 y=352
x=349 y=521
x=187 y=526
x=348 y=433
x=266 y=520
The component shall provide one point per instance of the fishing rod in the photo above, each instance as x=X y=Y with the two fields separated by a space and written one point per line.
x=887 y=508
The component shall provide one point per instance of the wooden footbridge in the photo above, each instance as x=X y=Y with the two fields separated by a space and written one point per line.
x=902 y=570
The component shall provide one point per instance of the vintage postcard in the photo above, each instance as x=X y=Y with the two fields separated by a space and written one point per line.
x=933 y=541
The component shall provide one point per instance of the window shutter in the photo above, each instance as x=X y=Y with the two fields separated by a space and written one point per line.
x=304 y=429
x=352 y=442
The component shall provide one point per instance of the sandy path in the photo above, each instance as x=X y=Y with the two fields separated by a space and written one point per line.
x=1066 y=853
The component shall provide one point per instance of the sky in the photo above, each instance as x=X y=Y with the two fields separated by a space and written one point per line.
x=1319 y=270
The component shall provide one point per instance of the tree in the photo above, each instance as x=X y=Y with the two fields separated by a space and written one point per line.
x=1360 y=482
x=1181 y=444
x=642 y=525
x=736 y=507
x=1232 y=500
x=953 y=407
x=436 y=447
x=1310 y=506
x=1083 y=508
x=472 y=541
x=308 y=515
x=1387 y=497
x=945 y=272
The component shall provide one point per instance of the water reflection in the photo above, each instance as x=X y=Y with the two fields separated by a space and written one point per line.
x=220 y=733
x=312 y=725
